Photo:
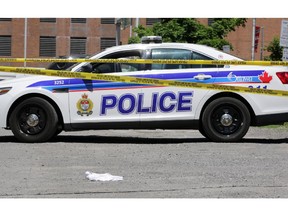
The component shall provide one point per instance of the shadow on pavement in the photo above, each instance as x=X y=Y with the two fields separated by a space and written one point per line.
x=140 y=140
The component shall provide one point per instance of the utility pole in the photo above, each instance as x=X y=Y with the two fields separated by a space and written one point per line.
x=131 y=27
x=262 y=43
x=118 y=31
x=253 y=39
x=25 y=40
x=136 y=24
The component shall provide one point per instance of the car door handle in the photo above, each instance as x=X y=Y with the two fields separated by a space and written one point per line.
x=202 y=77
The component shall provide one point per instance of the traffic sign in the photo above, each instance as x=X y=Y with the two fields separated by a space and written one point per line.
x=284 y=34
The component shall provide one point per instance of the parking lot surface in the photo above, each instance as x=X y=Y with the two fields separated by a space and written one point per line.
x=153 y=164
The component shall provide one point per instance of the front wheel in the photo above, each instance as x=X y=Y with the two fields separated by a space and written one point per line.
x=34 y=120
x=225 y=120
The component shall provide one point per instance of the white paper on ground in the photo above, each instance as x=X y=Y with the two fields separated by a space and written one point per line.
x=102 y=177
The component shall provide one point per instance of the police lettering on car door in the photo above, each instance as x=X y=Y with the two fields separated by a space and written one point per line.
x=131 y=104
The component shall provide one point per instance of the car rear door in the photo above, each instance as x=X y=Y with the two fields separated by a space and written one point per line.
x=174 y=103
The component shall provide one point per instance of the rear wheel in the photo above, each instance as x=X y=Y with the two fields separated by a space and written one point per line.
x=34 y=120
x=225 y=120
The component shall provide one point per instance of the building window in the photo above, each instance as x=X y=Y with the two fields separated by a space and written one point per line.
x=152 y=21
x=107 y=42
x=78 y=20
x=6 y=19
x=48 y=20
x=47 y=46
x=210 y=21
x=107 y=21
x=77 y=45
x=5 y=45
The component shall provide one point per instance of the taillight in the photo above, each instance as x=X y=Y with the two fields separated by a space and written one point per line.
x=283 y=76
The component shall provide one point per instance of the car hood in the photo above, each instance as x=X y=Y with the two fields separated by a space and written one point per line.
x=9 y=75
x=24 y=79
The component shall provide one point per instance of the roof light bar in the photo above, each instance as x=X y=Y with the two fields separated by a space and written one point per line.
x=151 y=39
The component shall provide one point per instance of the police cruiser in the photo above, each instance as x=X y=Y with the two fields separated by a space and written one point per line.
x=37 y=108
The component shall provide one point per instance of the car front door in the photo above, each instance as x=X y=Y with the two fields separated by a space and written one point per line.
x=94 y=103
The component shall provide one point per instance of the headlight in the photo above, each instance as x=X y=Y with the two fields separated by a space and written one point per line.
x=5 y=90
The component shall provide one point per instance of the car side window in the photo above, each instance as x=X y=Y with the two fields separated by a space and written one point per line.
x=169 y=53
x=198 y=56
x=130 y=67
x=104 y=68
x=118 y=67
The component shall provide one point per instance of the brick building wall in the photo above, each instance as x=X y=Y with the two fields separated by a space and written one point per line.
x=95 y=32
x=127 y=32
x=241 y=39
x=62 y=29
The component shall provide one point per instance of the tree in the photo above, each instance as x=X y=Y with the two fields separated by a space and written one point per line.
x=190 y=30
x=275 y=49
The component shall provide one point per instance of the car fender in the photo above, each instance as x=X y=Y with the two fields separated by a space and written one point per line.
x=61 y=100
x=212 y=94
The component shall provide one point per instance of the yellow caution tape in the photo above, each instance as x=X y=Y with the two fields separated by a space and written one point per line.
x=151 y=61
x=137 y=80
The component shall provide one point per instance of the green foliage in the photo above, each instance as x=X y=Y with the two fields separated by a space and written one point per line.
x=275 y=50
x=190 y=30
x=133 y=40
x=215 y=42
x=142 y=31
x=221 y=27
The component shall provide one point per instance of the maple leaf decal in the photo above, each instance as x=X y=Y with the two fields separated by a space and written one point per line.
x=265 y=78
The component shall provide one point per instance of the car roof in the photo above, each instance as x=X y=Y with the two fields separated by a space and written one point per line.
x=202 y=49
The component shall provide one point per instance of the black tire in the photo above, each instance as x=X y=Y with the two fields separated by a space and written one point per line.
x=34 y=120
x=201 y=130
x=58 y=131
x=225 y=120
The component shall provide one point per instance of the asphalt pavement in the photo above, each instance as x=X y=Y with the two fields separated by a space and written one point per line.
x=153 y=164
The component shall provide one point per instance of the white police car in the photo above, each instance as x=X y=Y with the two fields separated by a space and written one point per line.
x=37 y=108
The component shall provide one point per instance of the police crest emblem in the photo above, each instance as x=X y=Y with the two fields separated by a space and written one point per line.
x=84 y=106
